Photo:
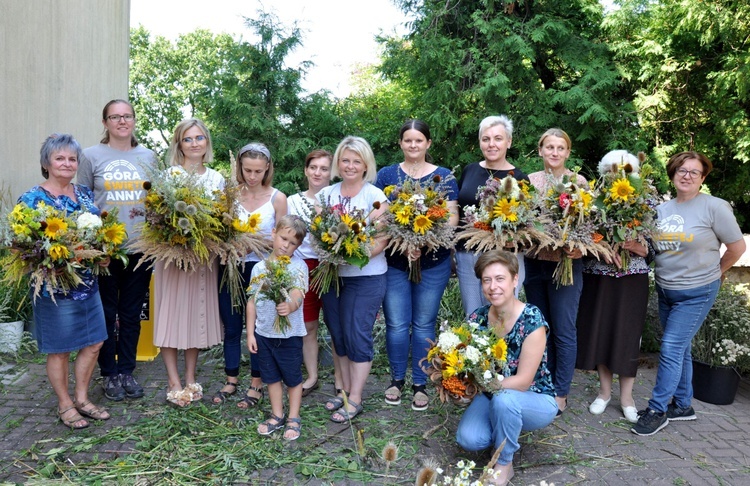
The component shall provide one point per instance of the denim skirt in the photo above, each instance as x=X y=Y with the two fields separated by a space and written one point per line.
x=68 y=325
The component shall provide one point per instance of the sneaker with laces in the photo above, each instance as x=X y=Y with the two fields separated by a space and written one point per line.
x=675 y=413
x=649 y=422
x=113 y=388
x=132 y=388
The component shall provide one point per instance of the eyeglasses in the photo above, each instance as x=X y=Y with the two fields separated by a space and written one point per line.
x=199 y=138
x=117 y=118
x=689 y=173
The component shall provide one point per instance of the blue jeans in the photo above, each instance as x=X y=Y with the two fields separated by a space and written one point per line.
x=486 y=423
x=234 y=321
x=410 y=313
x=123 y=292
x=559 y=305
x=470 y=286
x=681 y=313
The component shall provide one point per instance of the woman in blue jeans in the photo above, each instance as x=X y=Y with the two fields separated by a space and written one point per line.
x=527 y=399
x=558 y=303
x=689 y=270
x=411 y=308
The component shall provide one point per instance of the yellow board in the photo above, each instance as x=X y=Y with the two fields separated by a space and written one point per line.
x=146 y=350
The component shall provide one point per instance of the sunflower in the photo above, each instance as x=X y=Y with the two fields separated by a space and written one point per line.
x=388 y=190
x=584 y=197
x=452 y=365
x=500 y=350
x=506 y=210
x=59 y=251
x=284 y=259
x=402 y=216
x=347 y=220
x=421 y=224
x=621 y=189
x=55 y=226
x=315 y=222
x=114 y=234
x=21 y=229
x=248 y=226
x=326 y=238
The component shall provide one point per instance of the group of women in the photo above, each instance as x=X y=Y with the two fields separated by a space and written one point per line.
x=601 y=333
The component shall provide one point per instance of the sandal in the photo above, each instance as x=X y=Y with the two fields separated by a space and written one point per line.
x=345 y=414
x=393 y=393
x=96 y=413
x=336 y=402
x=222 y=396
x=271 y=427
x=294 y=428
x=248 y=401
x=72 y=421
x=196 y=391
x=420 y=401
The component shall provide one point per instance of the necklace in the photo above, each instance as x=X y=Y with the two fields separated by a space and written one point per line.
x=415 y=169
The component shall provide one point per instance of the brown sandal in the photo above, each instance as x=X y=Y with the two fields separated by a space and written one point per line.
x=96 y=413
x=71 y=423
x=248 y=402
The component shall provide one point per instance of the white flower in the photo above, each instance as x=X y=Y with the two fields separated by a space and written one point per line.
x=487 y=375
x=472 y=354
x=500 y=377
x=461 y=464
x=88 y=221
x=448 y=341
x=473 y=325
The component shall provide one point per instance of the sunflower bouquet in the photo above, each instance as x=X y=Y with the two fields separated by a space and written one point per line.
x=573 y=222
x=340 y=235
x=465 y=360
x=238 y=236
x=180 y=221
x=54 y=247
x=104 y=234
x=508 y=216
x=417 y=219
x=629 y=202
x=275 y=285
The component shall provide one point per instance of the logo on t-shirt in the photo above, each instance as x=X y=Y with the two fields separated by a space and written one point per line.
x=672 y=233
x=123 y=182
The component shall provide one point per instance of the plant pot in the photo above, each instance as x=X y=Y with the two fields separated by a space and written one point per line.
x=714 y=384
x=10 y=336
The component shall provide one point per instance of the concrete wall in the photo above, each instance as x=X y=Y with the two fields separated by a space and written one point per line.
x=60 y=62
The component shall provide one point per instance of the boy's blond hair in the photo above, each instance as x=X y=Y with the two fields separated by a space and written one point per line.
x=294 y=223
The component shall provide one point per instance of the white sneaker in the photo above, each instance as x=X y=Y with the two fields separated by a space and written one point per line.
x=631 y=414
x=598 y=406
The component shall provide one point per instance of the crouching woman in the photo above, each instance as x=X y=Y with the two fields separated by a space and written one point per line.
x=527 y=400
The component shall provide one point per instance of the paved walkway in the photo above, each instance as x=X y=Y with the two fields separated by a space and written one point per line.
x=578 y=448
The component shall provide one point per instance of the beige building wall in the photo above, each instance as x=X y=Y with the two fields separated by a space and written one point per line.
x=60 y=62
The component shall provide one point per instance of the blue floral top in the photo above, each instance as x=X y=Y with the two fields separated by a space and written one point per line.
x=530 y=320
x=85 y=196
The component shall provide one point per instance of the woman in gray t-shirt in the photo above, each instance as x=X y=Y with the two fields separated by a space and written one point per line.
x=689 y=271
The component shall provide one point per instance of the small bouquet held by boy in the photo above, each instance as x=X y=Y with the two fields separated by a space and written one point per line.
x=340 y=235
x=52 y=247
x=465 y=360
x=417 y=220
x=508 y=217
x=276 y=326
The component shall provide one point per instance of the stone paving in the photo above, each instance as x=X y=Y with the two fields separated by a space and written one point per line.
x=578 y=448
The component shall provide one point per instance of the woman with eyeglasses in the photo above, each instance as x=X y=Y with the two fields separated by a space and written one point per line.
x=689 y=270
x=186 y=303
x=257 y=196
x=115 y=170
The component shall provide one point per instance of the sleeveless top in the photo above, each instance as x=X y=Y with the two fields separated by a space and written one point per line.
x=267 y=215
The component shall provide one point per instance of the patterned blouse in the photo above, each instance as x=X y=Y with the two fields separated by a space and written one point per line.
x=85 y=196
x=530 y=320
